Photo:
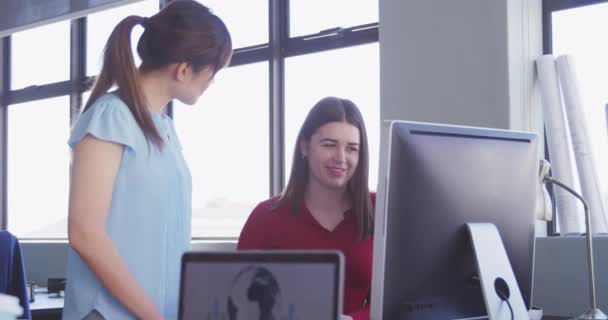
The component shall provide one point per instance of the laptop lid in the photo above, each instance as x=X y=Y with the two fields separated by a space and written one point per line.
x=264 y=285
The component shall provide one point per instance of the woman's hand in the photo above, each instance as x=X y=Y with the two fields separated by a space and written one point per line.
x=153 y=314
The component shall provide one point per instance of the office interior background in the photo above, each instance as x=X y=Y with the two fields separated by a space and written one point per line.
x=458 y=62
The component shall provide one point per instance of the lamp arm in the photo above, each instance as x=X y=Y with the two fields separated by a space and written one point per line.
x=589 y=235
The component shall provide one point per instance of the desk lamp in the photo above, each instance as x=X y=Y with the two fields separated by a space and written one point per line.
x=594 y=313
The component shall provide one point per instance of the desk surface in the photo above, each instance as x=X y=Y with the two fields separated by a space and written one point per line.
x=49 y=304
x=44 y=301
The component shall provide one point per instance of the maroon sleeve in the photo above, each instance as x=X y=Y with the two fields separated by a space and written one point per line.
x=361 y=314
x=252 y=235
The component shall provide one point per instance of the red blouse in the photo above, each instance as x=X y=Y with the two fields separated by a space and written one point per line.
x=280 y=229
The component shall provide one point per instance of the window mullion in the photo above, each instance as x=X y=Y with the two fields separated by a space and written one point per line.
x=77 y=65
x=5 y=75
x=278 y=33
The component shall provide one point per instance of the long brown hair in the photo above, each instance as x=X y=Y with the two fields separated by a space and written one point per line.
x=332 y=109
x=184 y=31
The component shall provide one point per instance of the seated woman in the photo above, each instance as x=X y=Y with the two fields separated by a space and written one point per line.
x=327 y=203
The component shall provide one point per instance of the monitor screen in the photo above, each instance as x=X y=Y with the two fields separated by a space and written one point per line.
x=261 y=285
x=437 y=179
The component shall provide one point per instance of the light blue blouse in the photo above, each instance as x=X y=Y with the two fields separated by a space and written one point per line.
x=149 y=218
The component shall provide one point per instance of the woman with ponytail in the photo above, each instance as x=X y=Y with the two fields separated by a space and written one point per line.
x=130 y=195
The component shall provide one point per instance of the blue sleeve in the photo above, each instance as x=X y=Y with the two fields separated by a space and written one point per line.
x=108 y=119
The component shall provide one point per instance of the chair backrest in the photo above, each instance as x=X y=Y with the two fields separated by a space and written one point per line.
x=12 y=272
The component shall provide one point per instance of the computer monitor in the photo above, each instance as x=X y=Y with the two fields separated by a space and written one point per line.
x=435 y=179
x=265 y=284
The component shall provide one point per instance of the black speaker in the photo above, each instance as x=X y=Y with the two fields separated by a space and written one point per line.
x=56 y=286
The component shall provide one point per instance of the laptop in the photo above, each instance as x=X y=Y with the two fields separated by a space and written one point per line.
x=261 y=285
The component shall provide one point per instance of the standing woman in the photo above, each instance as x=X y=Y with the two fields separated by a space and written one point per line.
x=130 y=195
x=327 y=203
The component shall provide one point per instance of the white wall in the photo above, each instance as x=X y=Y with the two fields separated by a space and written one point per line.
x=467 y=62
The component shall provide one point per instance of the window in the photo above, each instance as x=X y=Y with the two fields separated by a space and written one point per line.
x=225 y=136
x=332 y=75
x=312 y=16
x=36 y=61
x=247 y=20
x=38 y=168
x=100 y=26
x=568 y=30
x=225 y=143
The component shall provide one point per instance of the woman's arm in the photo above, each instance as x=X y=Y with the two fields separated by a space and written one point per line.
x=94 y=169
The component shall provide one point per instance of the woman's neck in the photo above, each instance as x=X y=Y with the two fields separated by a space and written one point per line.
x=322 y=199
x=155 y=91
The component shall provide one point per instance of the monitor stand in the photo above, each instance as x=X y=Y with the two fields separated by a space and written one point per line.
x=498 y=282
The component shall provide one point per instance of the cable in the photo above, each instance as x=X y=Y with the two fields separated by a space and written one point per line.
x=510 y=308
x=502 y=296
x=503 y=292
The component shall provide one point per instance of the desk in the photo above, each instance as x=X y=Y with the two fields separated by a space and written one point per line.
x=50 y=308
x=46 y=307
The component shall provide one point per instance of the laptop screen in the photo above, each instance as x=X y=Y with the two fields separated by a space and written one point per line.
x=261 y=285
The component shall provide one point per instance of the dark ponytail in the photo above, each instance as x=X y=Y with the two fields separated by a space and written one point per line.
x=119 y=68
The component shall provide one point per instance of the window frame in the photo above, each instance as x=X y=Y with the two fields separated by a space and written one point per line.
x=549 y=7
x=279 y=47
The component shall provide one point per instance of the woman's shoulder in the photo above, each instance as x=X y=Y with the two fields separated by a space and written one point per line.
x=108 y=107
x=267 y=206
x=111 y=103
x=109 y=98
x=108 y=118
x=264 y=214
